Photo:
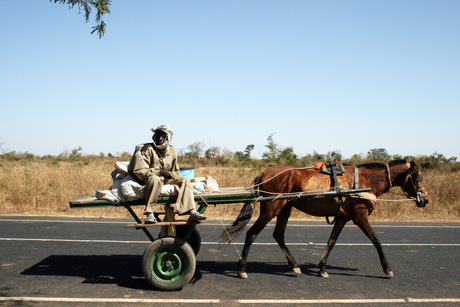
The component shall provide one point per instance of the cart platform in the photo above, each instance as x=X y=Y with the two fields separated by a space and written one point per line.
x=223 y=196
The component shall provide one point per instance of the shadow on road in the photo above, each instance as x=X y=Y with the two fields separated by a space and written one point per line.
x=125 y=270
x=122 y=270
x=229 y=269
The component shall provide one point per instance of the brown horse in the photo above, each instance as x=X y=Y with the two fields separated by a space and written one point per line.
x=286 y=179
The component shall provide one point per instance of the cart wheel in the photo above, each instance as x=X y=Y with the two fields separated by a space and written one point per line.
x=194 y=240
x=168 y=263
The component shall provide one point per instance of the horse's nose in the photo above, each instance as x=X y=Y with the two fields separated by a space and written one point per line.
x=423 y=203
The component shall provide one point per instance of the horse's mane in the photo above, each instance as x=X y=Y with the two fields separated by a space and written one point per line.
x=379 y=165
x=373 y=165
x=397 y=162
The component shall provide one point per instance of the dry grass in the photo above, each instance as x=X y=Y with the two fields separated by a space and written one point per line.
x=41 y=188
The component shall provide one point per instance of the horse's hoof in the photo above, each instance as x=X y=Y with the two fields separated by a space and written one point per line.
x=389 y=273
x=242 y=275
x=297 y=270
x=323 y=274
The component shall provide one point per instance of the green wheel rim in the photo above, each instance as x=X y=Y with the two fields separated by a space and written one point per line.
x=168 y=265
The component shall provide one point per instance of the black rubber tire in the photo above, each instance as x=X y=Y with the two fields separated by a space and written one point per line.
x=194 y=240
x=168 y=263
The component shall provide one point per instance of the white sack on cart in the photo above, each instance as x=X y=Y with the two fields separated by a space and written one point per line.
x=210 y=184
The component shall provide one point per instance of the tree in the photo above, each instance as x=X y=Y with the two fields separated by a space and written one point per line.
x=76 y=152
x=357 y=159
x=439 y=161
x=246 y=154
x=248 y=150
x=277 y=155
x=287 y=156
x=212 y=153
x=273 y=149
x=318 y=157
x=102 y=8
x=226 y=156
x=334 y=155
x=378 y=154
x=195 y=150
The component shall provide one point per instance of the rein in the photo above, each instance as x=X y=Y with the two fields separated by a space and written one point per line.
x=273 y=177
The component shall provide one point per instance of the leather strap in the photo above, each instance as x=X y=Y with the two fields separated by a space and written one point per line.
x=356 y=178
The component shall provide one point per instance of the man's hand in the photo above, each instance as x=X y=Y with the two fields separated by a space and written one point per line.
x=166 y=174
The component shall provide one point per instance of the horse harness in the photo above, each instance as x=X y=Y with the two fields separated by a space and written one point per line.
x=335 y=169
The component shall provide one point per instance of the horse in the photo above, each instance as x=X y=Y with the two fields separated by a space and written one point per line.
x=286 y=179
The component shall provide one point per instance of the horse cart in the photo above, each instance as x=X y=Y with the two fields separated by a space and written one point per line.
x=169 y=261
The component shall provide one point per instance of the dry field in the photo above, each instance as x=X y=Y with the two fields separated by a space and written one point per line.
x=43 y=188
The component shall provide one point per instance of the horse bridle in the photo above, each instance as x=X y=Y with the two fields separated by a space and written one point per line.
x=418 y=190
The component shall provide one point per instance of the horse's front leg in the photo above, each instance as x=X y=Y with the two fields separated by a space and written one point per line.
x=278 y=234
x=365 y=226
x=251 y=236
x=340 y=222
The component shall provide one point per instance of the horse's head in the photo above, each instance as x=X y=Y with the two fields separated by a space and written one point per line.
x=413 y=186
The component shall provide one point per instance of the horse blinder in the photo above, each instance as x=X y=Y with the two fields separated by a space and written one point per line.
x=420 y=198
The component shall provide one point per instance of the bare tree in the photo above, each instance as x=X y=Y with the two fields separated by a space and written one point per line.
x=195 y=150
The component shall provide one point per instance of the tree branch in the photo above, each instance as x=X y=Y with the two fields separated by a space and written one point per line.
x=102 y=8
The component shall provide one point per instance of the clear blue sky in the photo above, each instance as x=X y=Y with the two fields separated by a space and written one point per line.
x=347 y=76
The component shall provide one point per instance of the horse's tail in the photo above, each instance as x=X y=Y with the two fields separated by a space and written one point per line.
x=234 y=231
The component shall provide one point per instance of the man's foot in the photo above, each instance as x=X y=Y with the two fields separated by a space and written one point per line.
x=150 y=219
x=197 y=216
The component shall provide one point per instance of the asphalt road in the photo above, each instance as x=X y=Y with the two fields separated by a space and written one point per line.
x=66 y=261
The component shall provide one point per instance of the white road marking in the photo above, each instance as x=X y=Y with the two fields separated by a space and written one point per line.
x=353 y=301
x=98 y=221
x=75 y=241
x=239 y=243
x=218 y=301
x=109 y=300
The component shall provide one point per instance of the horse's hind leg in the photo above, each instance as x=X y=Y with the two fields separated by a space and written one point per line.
x=340 y=222
x=278 y=234
x=251 y=236
x=366 y=227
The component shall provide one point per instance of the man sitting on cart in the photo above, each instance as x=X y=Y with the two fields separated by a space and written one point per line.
x=155 y=164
